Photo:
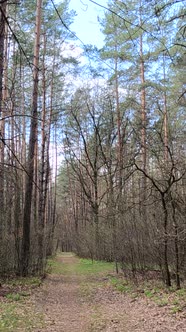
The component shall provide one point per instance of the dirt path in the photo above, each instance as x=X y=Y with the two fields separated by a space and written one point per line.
x=60 y=300
x=72 y=302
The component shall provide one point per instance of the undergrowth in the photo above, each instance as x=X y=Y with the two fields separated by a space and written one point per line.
x=18 y=317
x=17 y=311
x=28 y=282
x=153 y=290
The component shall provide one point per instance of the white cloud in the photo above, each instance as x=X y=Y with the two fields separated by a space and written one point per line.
x=71 y=50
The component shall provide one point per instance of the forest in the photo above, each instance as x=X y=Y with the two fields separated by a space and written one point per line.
x=93 y=151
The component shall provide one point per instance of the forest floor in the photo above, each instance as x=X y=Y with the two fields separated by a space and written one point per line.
x=85 y=297
x=78 y=296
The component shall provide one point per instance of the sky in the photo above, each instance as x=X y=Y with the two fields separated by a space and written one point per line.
x=86 y=25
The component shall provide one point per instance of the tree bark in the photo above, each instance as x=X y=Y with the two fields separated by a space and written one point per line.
x=3 y=8
x=143 y=123
x=25 y=252
x=166 y=265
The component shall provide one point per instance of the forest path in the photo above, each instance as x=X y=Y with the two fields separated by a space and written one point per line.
x=74 y=300
x=60 y=300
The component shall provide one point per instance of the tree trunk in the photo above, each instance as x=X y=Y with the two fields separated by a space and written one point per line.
x=119 y=154
x=166 y=265
x=25 y=253
x=42 y=172
x=143 y=125
x=176 y=244
x=3 y=8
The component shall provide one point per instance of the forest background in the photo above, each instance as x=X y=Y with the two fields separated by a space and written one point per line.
x=117 y=118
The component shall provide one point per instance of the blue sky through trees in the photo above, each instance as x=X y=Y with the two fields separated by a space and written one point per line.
x=86 y=24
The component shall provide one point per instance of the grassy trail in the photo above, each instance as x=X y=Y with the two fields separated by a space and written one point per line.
x=67 y=295
x=81 y=296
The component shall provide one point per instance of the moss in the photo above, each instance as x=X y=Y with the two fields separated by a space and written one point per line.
x=13 y=296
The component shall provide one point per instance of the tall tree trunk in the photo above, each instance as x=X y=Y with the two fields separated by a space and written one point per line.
x=42 y=171
x=25 y=252
x=165 y=120
x=143 y=123
x=165 y=128
x=3 y=8
x=119 y=152
x=52 y=199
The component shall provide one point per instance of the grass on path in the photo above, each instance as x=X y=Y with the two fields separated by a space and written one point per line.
x=79 y=266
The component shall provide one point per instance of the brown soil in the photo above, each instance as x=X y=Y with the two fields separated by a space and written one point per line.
x=67 y=308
